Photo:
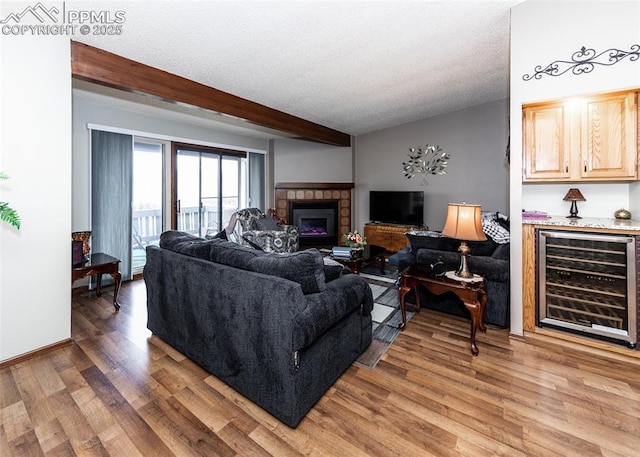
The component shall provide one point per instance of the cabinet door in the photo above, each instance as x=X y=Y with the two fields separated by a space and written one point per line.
x=547 y=143
x=609 y=137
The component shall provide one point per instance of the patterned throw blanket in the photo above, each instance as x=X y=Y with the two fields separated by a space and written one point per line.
x=496 y=226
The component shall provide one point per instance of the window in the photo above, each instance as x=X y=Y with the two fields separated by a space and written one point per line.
x=211 y=184
x=147 y=208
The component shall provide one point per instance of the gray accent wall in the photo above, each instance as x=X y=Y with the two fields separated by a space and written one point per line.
x=478 y=171
x=305 y=161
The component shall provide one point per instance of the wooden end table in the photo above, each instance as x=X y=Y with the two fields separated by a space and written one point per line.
x=370 y=253
x=472 y=294
x=100 y=264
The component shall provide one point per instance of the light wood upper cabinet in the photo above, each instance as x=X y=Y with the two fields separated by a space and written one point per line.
x=547 y=137
x=609 y=137
x=591 y=139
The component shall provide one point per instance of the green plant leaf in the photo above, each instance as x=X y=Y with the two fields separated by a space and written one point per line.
x=8 y=214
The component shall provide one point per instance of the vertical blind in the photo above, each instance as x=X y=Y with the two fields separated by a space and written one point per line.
x=257 y=176
x=111 y=193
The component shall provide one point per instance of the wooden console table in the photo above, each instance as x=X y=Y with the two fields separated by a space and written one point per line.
x=391 y=237
x=472 y=294
x=100 y=264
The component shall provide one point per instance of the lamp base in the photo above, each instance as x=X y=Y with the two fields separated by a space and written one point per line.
x=463 y=271
x=573 y=211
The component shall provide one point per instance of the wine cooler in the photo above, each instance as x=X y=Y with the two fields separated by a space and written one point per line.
x=587 y=284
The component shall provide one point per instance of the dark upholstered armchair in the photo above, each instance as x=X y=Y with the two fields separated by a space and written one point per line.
x=250 y=226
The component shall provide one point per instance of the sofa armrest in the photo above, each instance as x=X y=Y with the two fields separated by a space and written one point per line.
x=344 y=295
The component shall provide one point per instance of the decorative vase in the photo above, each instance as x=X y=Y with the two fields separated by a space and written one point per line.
x=622 y=214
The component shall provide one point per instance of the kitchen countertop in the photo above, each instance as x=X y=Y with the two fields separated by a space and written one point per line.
x=586 y=222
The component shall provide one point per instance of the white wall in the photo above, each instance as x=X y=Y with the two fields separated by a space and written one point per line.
x=478 y=171
x=634 y=200
x=543 y=32
x=602 y=199
x=304 y=161
x=35 y=292
x=85 y=112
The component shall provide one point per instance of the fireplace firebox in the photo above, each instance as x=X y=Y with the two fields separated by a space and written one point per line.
x=317 y=222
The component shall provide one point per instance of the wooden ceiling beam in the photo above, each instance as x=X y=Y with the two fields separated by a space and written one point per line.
x=101 y=67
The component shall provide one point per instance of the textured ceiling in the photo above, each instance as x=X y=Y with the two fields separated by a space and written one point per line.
x=349 y=65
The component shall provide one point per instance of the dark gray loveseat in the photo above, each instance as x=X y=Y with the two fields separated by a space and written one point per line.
x=269 y=325
x=488 y=259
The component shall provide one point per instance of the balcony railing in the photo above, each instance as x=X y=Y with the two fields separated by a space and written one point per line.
x=147 y=224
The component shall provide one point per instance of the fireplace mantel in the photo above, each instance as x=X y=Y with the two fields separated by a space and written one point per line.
x=314 y=185
x=287 y=192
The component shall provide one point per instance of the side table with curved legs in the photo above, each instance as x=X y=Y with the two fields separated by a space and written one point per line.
x=100 y=264
x=472 y=294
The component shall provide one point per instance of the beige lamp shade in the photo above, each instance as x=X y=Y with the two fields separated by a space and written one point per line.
x=464 y=222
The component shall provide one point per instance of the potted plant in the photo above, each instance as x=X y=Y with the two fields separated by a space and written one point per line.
x=354 y=240
x=8 y=214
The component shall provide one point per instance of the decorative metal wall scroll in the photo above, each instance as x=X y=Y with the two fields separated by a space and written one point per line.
x=584 y=61
x=430 y=161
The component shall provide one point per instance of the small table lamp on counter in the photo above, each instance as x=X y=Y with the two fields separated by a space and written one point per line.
x=573 y=196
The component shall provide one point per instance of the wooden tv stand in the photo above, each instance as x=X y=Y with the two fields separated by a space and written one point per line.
x=389 y=236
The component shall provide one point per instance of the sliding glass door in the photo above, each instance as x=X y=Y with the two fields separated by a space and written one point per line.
x=147 y=198
x=210 y=187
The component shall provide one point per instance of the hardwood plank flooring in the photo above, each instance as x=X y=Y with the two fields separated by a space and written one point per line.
x=119 y=391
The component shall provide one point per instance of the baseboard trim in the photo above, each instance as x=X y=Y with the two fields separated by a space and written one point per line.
x=542 y=336
x=35 y=353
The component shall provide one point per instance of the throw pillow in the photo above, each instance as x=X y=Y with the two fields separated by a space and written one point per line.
x=304 y=267
x=248 y=238
x=431 y=240
x=222 y=234
x=266 y=223
x=495 y=231
x=482 y=248
x=332 y=269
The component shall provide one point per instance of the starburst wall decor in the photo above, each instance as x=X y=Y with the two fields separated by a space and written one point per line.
x=431 y=160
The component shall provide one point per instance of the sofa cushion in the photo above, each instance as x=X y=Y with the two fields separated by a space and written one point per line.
x=232 y=254
x=304 y=267
x=187 y=244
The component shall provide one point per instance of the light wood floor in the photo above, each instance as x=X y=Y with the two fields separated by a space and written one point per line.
x=118 y=391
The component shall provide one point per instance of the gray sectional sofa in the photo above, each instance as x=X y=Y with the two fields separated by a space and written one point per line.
x=488 y=259
x=272 y=326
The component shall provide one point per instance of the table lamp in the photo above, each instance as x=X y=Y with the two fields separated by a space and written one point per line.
x=464 y=222
x=574 y=195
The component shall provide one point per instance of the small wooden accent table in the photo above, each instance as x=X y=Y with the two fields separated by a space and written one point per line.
x=472 y=294
x=370 y=254
x=100 y=264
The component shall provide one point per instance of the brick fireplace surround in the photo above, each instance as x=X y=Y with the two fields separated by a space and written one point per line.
x=314 y=191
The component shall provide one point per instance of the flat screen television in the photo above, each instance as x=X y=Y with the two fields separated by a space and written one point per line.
x=397 y=207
